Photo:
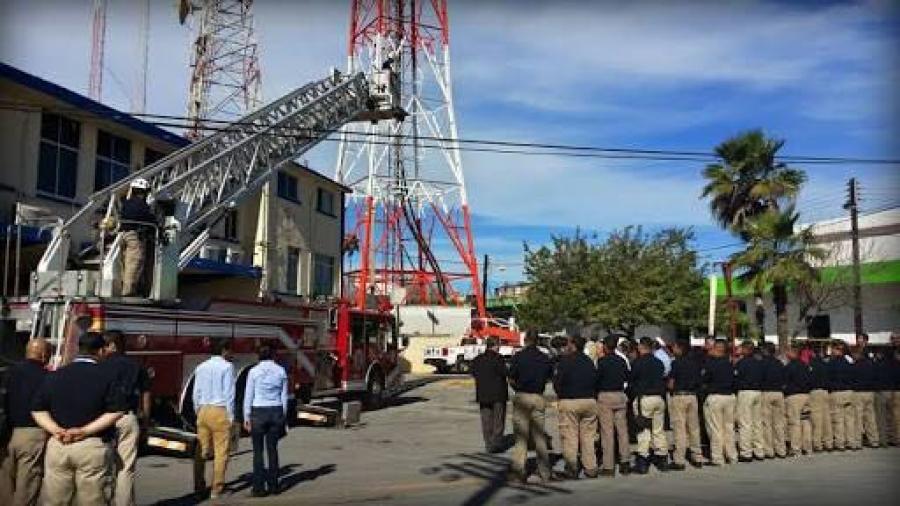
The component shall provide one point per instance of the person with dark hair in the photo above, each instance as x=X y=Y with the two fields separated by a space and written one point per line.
x=749 y=371
x=529 y=371
x=798 y=383
x=718 y=409
x=843 y=413
x=134 y=383
x=214 y=403
x=79 y=405
x=865 y=384
x=685 y=383
x=22 y=467
x=649 y=408
x=491 y=393
x=820 y=405
x=265 y=415
x=575 y=385
x=773 y=403
x=612 y=408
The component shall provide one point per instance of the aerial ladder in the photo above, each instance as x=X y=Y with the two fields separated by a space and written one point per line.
x=193 y=189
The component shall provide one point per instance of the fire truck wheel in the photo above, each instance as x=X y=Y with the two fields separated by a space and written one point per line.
x=462 y=365
x=375 y=391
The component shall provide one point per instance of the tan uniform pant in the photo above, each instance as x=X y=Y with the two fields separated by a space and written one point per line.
x=798 y=423
x=684 y=417
x=654 y=408
x=865 y=417
x=132 y=262
x=895 y=415
x=719 y=413
x=577 y=430
x=611 y=408
x=773 y=424
x=883 y=416
x=820 y=419
x=23 y=467
x=127 y=435
x=749 y=424
x=77 y=473
x=843 y=418
x=528 y=427
x=214 y=435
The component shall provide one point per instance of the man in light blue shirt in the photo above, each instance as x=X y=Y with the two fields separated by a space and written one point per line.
x=265 y=412
x=214 y=403
x=659 y=351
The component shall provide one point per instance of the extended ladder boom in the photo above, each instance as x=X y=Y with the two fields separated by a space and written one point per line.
x=205 y=179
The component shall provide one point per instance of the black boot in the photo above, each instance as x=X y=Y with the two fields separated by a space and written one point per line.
x=625 y=468
x=641 y=465
x=661 y=462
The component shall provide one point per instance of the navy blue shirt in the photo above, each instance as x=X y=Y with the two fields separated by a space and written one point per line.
x=865 y=379
x=136 y=210
x=819 y=369
x=23 y=382
x=718 y=375
x=840 y=374
x=798 y=378
x=576 y=377
x=647 y=376
x=749 y=373
x=612 y=373
x=686 y=374
x=884 y=379
x=530 y=370
x=773 y=375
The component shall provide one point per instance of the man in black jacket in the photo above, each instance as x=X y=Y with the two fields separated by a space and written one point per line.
x=820 y=405
x=748 y=383
x=773 y=403
x=575 y=385
x=529 y=371
x=649 y=406
x=864 y=397
x=843 y=413
x=797 y=385
x=718 y=409
x=612 y=408
x=491 y=393
x=684 y=383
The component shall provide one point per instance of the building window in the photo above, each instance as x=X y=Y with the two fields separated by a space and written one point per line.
x=819 y=327
x=324 y=275
x=325 y=202
x=58 y=158
x=288 y=187
x=152 y=156
x=113 y=159
x=230 y=226
x=292 y=270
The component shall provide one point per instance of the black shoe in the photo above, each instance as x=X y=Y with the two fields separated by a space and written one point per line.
x=608 y=473
x=258 y=493
x=661 y=462
x=677 y=467
x=712 y=464
x=696 y=464
x=591 y=474
x=625 y=468
x=745 y=459
x=641 y=465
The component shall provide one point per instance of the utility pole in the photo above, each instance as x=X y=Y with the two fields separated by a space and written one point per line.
x=852 y=206
x=484 y=276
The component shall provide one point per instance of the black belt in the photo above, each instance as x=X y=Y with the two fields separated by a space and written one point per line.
x=684 y=392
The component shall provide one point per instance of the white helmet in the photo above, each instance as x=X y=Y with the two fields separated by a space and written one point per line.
x=140 y=184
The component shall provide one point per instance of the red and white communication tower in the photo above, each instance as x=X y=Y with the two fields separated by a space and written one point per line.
x=412 y=220
x=225 y=75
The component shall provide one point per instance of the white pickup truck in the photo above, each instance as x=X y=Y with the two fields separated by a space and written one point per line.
x=448 y=359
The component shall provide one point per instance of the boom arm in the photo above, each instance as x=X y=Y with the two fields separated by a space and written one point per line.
x=207 y=178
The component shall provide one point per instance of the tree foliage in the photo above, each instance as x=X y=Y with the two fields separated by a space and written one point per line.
x=632 y=278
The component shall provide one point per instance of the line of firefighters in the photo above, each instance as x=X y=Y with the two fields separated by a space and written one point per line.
x=758 y=405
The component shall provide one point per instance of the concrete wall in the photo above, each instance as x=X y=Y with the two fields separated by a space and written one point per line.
x=435 y=320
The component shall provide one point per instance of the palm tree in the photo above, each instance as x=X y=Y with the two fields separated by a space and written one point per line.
x=747 y=183
x=777 y=256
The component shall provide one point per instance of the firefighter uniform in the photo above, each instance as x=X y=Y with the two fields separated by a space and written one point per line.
x=684 y=410
x=798 y=380
x=820 y=406
x=612 y=408
x=843 y=409
x=649 y=388
x=718 y=409
x=529 y=372
x=749 y=372
x=864 y=400
x=22 y=467
x=575 y=385
x=773 y=408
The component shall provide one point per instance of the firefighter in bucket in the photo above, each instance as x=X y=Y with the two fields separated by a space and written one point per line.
x=137 y=226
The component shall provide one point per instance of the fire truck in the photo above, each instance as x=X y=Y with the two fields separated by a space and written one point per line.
x=329 y=347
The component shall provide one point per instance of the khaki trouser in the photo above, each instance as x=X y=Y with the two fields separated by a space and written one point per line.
x=132 y=262
x=23 y=467
x=719 y=413
x=577 y=428
x=654 y=408
x=773 y=424
x=528 y=426
x=79 y=471
x=127 y=434
x=798 y=422
x=843 y=418
x=685 y=421
x=611 y=408
x=214 y=435
x=820 y=419
x=895 y=415
x=749 y=424
x=883 y=416
x=865 y=417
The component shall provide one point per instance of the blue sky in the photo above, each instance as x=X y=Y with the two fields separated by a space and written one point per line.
x=678 y=75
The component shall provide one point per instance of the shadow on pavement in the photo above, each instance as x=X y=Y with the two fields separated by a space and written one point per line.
x=493 y=469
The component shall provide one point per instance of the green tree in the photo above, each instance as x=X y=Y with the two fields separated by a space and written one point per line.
x=777 y=256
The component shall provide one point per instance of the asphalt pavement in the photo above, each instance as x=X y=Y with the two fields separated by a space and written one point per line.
x=425 y=449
